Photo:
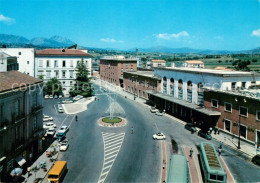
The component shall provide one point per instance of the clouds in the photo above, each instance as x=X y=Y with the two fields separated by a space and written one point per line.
x=167 y=36
x=256 y=32
x=110 y=40
x=7 y=20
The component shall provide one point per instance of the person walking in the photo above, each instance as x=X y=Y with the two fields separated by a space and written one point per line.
x=210 y=130
x=191 y=152
x=219 y=151
x=76 y=118
x=132 y=130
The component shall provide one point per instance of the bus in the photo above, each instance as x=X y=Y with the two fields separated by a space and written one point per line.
x=179 y=170
x=57 y=172
x=212 y=169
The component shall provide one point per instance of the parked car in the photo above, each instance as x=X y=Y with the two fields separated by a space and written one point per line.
x=159 y=136
x=204 y=134
x=60 y=96
x=153 y=110
x=78 y=97
x=51 y=97
x=159 y=113
x=49 y=125
x=59 y=106
x=47 y=118
x=60 y=110
x=256 y=159
x=46 y=96
x=51 y=131
x=64 y=145
x=60 y=136
x=190 y=127
x=56 y=97
x=67 y=101
x=63 y=129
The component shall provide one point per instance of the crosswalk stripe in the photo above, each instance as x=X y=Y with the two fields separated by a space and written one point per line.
x=110 y=157
x=107 y=141
x=106 y=138
x=111 y=152
x=113 y=145
x=109 y=162
x=113 y=142
x=112 y=149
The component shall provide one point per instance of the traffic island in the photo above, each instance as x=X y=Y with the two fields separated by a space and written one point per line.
x=112 y=122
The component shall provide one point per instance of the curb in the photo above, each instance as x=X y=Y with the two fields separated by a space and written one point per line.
x=121 y=124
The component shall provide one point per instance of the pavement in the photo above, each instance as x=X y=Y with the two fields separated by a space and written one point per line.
x=246 y=147
x=40 y=174
x=77 y=107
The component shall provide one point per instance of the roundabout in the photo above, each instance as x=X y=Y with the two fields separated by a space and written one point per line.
x=112 y=122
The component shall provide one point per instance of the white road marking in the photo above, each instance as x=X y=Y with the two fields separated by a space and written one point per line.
x=112 y=146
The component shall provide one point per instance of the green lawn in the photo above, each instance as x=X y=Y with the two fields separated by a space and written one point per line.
x=113 y=120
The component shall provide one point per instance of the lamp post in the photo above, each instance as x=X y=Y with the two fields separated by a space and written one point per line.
x=239 y=122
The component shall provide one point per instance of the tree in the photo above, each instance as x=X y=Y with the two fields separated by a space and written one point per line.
x=82 y=84
x=53 y=87
x=241 y=65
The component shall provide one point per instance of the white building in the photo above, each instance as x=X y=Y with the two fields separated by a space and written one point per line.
x=193 y=64
x=62 y=64
x=158 y=63
x=186 y=83
x=25 y=58
x=7 y=62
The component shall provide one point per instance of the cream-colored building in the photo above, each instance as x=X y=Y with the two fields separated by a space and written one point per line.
x=193 y=64
x=158 y=63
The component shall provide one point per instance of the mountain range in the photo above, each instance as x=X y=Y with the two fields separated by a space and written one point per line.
x=61 y=42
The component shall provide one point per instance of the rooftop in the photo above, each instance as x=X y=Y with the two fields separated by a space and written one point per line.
x=149 y=74
x=209 y=71
x=15 y=79
x=194 y=62
x=62 y=52
x=119 y=58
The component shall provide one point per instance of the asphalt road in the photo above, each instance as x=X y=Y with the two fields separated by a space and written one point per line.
x=139 y=158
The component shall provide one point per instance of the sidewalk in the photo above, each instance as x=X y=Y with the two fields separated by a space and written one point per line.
x=224 y=138
x=232 y=142
x=77 y=107
x=40 y=174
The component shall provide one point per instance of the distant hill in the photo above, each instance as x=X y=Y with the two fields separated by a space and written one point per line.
x=54 y=41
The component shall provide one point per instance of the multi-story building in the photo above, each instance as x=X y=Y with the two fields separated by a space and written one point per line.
x=25 y=58
x=240 y=109
x=61 y=64
x=20 y=120
x=112 y=68
x=139 y=82
x=8 y=63
x=182 y=90
x=158 y=63
x=193 y=64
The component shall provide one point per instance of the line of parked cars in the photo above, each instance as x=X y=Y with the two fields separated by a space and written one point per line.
x=52 y=97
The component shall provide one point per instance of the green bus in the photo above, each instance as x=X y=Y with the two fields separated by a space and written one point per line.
x=179 y=170
x=212 y=169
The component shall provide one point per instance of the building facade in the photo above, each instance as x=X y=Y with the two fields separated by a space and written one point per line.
x=112 y=68
x=235 y=106
x=21 y=124
x=139 y=82
x=61 y=64
x=158 y=63
x=8 y=63
x=25 y=58
x=193 y=64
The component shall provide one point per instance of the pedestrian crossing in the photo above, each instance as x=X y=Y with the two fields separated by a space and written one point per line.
x=112 y=145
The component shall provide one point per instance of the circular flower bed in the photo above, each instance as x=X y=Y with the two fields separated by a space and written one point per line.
x=113 y=120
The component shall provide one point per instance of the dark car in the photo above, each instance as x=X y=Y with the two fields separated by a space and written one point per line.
x=61 y=136
x=204 y=134
x=256 y=159
x=190 y=127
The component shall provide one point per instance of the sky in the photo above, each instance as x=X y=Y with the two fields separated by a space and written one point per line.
x=126 y=24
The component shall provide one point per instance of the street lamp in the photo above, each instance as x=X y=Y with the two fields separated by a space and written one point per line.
x=239 y=122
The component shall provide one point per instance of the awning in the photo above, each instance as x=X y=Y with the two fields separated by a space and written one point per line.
x=185 y=104
x=20 y=160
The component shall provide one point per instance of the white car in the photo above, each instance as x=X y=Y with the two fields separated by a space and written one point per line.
x=63 y=129
x=67 y=101
x=60 y=96
x=46 y=96
x=47 y=118
x=159 y=136
x=153 y=110
x=159 y=113
x=64 y=145
x=51 y=96
x=51 y=132
x=60 y=110
x=49 y=125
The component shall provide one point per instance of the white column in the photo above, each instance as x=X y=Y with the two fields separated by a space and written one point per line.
x=176 y=89
x=168 y=87
x=194 y=93
x=248 y=83
x=184 y=91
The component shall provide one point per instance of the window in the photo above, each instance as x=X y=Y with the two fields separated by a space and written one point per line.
x=228 y=107
x=71 y=63
x=35 y=100
x=47 y=63
x=71 y=74
x=48 y=74
x=227 y=125
x=257 y=114
x=17 y=133
x=213 y=177
x=214 y=103
x=34 y=123
x=243 y=111
x=40 y=63
x=132 y=69
x=56 y=74
x=19 y=53
x=233 y=85
x=63 y=74
x=28 y=62
x=243 y=130
x=71 y=83
x=16 y=107
x=64 y=63
x=243 y=85
x=55 y=63
x=63 y=83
